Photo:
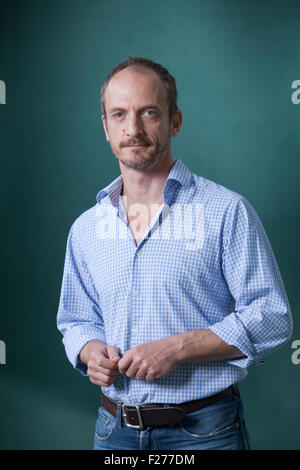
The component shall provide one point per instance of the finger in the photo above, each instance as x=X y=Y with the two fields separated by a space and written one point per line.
x=101 y=379
x=105 y=363
x=141 y=375
x=132 y=370
x=124 y=363
x=96 y=369
x=149 y=377
x=113 y=353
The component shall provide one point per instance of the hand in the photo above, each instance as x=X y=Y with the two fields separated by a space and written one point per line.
x=151 y=360
x=102 y=363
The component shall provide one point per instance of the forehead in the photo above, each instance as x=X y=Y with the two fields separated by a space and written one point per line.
x=135 y=86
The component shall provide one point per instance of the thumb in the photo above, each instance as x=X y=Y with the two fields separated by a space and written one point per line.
x=113 y=353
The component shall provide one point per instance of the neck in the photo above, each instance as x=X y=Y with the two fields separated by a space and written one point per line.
x=145 y=186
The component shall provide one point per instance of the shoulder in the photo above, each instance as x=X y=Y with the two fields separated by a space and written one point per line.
x=216 y=194
x=84 y=223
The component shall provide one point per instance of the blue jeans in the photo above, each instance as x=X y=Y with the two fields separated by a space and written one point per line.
x=218 y=426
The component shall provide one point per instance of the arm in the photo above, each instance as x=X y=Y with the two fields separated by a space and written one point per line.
x=204 y=345
x=261 y=321
x=156 y=359
x=79 y=317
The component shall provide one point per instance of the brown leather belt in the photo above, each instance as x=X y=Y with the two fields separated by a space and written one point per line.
x=140 y=416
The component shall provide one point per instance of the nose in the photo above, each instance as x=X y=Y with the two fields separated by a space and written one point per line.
x=134 y=126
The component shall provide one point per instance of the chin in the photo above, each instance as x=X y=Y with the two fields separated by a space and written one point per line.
x=138 y=164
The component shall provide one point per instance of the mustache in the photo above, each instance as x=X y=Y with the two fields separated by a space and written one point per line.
x=134 y=142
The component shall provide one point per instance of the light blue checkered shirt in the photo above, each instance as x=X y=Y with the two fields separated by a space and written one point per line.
x=208 y=264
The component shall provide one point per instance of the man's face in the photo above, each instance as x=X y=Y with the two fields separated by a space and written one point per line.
x=137 y=118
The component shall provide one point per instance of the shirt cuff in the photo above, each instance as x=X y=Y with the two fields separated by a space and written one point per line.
x=232 y=331
x=75 y=339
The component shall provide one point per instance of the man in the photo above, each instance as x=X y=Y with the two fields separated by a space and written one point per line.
x=170 y=288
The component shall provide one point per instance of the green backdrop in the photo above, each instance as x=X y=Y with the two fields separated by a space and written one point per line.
x=234 y=63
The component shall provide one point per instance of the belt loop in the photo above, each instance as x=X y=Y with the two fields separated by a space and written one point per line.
x=236 y=392
x=119 y=414
x=237 y=397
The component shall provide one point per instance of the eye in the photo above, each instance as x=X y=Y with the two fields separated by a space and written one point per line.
x=149 y=112
x=118 y=115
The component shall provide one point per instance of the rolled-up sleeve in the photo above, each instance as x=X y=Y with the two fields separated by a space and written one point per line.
x=79 y=316
x=261 y=321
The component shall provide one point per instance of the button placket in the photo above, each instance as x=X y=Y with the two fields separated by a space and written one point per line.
x=136 y=292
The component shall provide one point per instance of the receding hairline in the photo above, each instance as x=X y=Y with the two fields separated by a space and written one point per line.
x=139 y=68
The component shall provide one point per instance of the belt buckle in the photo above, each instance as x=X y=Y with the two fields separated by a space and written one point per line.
x=134 y=426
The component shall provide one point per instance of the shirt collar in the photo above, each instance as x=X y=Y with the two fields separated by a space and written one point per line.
x=179 y=174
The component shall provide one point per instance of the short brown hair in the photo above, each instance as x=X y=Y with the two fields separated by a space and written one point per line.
x=167 y=79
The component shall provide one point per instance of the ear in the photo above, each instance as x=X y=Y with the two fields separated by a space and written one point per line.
x=104 y=122
x=176 y=123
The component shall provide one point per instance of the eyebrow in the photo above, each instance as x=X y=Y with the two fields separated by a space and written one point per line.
x=148 y=106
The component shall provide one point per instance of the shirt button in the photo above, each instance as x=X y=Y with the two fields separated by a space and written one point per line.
x=138 y=253
x=137 y=292
x=135 y=331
